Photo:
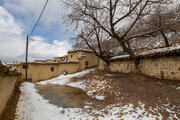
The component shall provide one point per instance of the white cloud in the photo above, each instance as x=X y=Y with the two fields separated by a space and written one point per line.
x=12 y=42
x=32 y=8
x=57 y=48
x=11 y=38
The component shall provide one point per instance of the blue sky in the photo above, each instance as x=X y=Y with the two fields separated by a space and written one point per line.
x=53 y=31
x=19 y=16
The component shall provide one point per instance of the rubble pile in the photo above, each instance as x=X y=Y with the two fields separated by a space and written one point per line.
x=6 y=71
x=100 y=86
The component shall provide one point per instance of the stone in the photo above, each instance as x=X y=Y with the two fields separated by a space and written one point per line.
x=105 y=111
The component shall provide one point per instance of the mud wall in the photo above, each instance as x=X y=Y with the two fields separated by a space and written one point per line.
x=102 y=65
x=7 y=84
x=161 y=67
x=39 y=72
x=68 y=67
x=43 y=71
x=91 y=59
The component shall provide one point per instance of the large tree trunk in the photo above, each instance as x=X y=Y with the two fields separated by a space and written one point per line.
x=130 y=52
x=165 y=39
x=104 y=59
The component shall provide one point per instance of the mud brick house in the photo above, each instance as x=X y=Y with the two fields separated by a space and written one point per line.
x=63 y=58
x=75 y=61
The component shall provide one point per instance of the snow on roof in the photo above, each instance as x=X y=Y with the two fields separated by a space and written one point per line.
x=119 y=57
x=167 y=51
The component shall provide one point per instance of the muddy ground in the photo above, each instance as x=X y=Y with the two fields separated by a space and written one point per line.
x=132 y=88
x=127 y=88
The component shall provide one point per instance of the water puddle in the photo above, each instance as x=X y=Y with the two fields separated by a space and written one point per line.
x=64 y=96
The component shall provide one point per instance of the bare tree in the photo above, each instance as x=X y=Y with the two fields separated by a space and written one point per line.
x=92 y=37
x=115 y=17
x=162 y=18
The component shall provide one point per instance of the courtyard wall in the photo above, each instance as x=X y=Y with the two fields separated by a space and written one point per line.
x=7 y=84
x=159 y=67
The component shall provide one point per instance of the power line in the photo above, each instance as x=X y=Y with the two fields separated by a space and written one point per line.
x=47 y=42
x=38 y=19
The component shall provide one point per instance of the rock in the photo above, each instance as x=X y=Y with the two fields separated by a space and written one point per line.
x=105 y=111
x=96 y=116
x=62 y=112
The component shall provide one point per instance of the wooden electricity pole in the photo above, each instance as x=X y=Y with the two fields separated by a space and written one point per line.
x=26 y=66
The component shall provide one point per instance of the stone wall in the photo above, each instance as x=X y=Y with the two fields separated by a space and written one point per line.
x=161 y=67
x=7 y=84
x=125 y=66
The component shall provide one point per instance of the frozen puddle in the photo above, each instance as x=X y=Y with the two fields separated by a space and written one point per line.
x=64 y=96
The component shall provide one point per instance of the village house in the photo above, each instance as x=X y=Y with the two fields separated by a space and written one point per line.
x=39 y=61
x=63 y=58
x=75 y=61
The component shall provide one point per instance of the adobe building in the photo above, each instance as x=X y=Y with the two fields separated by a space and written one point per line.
x=43 y=70
x=39 y=61
x=50 y=61
x=63 y=58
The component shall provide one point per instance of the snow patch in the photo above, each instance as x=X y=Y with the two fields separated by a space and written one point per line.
x=150 y=51
x=178 y=88
x=32 y=106
x=65 y=80
x=118 y=57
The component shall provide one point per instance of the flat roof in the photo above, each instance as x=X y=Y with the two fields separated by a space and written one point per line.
x=83 y=50
x=61 y=56
x=55 y=63
x=155 y=53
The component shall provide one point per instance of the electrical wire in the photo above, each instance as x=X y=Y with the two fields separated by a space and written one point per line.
x=38 y=18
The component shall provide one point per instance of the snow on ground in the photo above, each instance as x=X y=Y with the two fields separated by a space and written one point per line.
x=178 y=88
x=32 y=106
x=65 y=80
x=109 y=75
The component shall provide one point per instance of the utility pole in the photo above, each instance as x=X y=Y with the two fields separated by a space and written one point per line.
x=26 y=58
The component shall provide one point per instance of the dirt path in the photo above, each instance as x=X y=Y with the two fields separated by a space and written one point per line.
x=127 y=96
x=10 y=109
x=159 y=96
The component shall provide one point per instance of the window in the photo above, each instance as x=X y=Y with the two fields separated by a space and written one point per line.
x=86 y=64
x=52 y=69
x=71 y=56
x=24 y=66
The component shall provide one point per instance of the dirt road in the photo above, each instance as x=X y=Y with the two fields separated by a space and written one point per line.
x=160 y=97
x=100 y=95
